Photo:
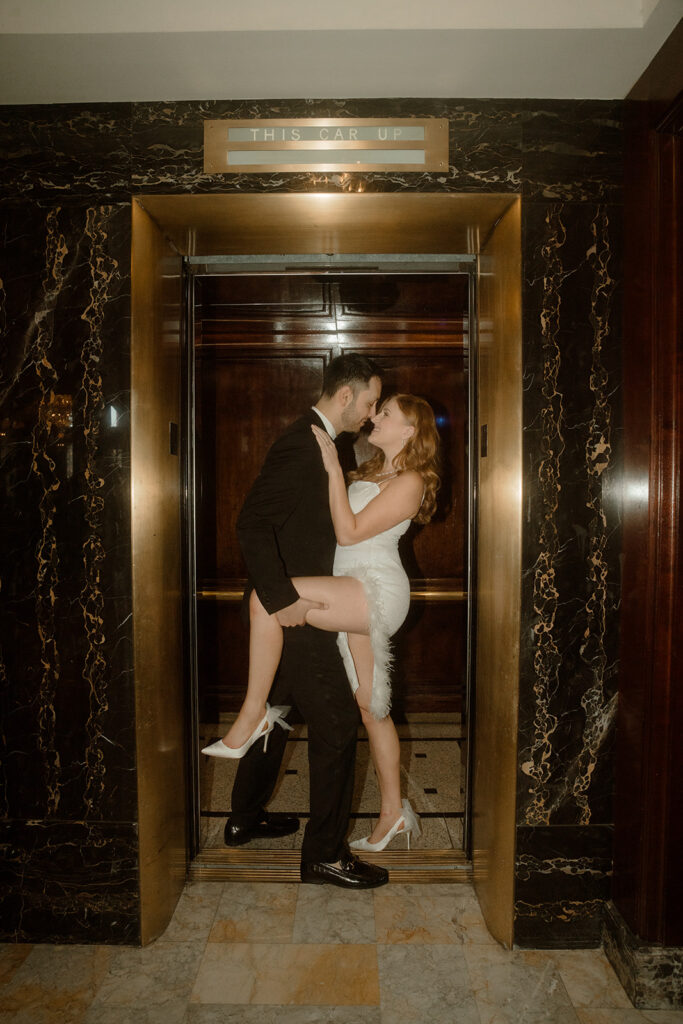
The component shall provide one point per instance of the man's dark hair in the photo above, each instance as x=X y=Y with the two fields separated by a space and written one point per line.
x=353 y=369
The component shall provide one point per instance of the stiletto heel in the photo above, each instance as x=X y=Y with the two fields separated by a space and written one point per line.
x=408 y=819
x=264 y=728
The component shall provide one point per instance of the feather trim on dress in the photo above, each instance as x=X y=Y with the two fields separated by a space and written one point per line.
x=380 y=700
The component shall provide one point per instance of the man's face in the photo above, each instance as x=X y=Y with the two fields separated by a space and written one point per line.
x=362 y=407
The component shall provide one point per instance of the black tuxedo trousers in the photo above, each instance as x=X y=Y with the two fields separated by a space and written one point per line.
x=285 y=530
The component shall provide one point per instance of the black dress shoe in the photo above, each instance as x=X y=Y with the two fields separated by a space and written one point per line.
x=268 y=827
x=350 y=873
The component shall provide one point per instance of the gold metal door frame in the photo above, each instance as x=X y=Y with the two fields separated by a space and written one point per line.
x=358 y=223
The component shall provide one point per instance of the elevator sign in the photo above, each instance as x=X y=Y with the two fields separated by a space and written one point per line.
x=325 y=144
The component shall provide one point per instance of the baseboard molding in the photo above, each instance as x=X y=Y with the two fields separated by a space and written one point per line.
x=651 y=975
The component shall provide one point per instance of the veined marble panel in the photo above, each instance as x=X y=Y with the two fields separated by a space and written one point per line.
x=65 y=558
x=69 y=882
x=553 y=149
x=572 y=150
x=570 y=556
x=66 y=150
x=562 y=878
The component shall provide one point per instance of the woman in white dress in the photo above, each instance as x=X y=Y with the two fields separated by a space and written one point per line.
x=365 y=601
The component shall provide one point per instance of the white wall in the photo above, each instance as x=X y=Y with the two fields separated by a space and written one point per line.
x=77 y=51
x=86 y=16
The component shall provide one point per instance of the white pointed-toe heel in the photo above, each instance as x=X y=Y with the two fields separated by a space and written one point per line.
x=406 y=823
x=263 y=729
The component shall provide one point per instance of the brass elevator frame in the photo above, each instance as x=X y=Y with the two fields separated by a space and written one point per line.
x=165 y=228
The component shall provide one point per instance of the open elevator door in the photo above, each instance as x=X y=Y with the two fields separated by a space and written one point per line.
x=261 y=334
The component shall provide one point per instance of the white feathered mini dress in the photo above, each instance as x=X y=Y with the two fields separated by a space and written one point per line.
x=377 y=564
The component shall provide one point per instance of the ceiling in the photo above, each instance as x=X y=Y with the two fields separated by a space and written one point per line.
x=85 y=51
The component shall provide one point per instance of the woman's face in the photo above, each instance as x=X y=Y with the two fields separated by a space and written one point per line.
x=390 y=427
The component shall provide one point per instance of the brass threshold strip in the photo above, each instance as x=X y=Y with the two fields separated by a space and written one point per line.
x=416 y=867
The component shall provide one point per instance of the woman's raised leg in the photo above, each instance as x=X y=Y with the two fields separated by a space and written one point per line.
x=344 y=608
x=265 y=651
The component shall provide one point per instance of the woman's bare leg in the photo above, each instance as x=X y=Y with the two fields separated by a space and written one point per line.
x=345 y=608
x=383 y=738
x=265 y=650
x=345 y=611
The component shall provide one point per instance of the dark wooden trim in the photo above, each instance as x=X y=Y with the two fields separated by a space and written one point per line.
x=648 y=887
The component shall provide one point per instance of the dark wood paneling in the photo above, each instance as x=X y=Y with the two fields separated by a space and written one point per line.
x=430 y=659
x=247 y=304
x=648 y=884
x=259 y=363
x=245 y=399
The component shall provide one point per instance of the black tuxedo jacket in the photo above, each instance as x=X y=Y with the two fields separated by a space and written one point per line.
x=285 y=527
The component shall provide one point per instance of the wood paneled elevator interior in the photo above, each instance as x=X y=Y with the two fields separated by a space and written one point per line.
x=261 y=343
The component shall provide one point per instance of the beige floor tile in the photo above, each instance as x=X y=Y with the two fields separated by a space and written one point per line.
x=471 y=927
x=663 y=1016
x=42 y=1015
x=438 y=768
x=172 y=1012
x=211 y=832
x=243 y=1014
x=255 y=912
x=515 y=987
x=12 y=956
x=330 y=975
x=595 y=1015
x=427 y=984
x=158 y=975
x=326 y=914
x=195 y=913
x=416 y=914
x=590 y=979
x=56 y=983
x=455 y=831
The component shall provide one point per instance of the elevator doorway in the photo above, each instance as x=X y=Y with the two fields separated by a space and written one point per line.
x=166 y=229
x=261 y=342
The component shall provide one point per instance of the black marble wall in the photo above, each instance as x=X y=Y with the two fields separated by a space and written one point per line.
x=67 y=787
x=571 y=549
x=67 y=792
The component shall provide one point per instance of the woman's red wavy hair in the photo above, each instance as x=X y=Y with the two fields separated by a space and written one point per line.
x=420 y=452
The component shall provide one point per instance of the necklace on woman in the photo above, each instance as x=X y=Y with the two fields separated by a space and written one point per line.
x=389 y=472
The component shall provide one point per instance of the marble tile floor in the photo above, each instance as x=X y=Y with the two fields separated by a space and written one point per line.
x=238 y=952
x=432 y=781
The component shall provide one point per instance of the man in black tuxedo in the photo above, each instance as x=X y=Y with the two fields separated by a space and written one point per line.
x=285 y=529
